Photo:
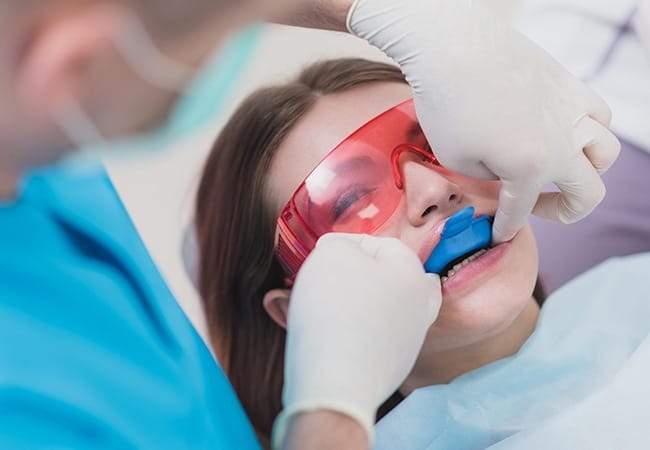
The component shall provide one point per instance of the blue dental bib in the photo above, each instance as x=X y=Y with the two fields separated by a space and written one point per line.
x=461 y=235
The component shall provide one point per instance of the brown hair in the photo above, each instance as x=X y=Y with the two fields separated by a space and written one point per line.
x=235 y=229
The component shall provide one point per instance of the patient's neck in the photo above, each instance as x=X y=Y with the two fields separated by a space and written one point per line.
x=8 y=182
x=442 y=367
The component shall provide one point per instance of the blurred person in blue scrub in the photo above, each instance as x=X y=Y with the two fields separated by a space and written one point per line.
x=95 y=351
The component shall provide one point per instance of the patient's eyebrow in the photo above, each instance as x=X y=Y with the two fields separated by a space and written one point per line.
x=415 y=132
x=353 y=164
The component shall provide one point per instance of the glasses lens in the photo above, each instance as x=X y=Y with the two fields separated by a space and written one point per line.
x=350 y=192
x=355 y=188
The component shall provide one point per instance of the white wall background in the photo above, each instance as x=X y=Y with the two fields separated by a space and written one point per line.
x=158 y=189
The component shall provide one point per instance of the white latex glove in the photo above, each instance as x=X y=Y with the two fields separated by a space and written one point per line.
x=360 y=309
x=493 y=104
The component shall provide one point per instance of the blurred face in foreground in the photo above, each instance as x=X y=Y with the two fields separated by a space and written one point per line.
x=112 y=67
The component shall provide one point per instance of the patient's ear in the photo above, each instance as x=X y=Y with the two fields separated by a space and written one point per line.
x=276 y=304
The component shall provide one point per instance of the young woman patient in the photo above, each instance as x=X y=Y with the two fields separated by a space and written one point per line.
x=382 y=180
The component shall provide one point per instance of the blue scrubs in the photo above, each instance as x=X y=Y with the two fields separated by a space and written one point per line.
x=95 y=353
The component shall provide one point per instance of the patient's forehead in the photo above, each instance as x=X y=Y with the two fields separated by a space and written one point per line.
x=331 y=120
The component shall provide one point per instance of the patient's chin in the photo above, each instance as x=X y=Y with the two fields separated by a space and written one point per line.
x=491 y=308
x=457 y=329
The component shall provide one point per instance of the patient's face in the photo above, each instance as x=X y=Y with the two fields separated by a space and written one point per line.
x=479 y=300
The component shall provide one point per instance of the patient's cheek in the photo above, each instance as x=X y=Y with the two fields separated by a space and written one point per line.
x=489 y=190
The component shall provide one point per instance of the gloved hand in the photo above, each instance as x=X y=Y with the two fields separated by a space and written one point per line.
x=493 y=104
x=360 y=309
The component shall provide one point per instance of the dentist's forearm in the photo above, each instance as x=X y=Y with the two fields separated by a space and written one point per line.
x=325 y=430
x=321 y=14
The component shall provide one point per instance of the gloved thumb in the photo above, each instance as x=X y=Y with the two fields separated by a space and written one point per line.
x=435 y=297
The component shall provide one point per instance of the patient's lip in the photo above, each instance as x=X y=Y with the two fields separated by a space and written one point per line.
x=431 y=239
x=470 y=276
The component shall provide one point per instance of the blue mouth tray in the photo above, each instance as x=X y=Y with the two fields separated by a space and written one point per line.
x=461 y=235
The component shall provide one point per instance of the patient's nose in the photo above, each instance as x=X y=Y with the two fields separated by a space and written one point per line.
x=430 y=196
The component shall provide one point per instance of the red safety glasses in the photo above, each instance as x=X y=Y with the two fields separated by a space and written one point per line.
x=356 y=188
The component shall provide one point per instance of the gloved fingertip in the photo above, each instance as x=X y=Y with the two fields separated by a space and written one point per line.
x=433 y=278
x=329 y=238
x=502 y=231
x=349 y=18
x=500 y=236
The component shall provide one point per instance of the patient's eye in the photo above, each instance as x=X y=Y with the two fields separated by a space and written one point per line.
x=353 y=199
